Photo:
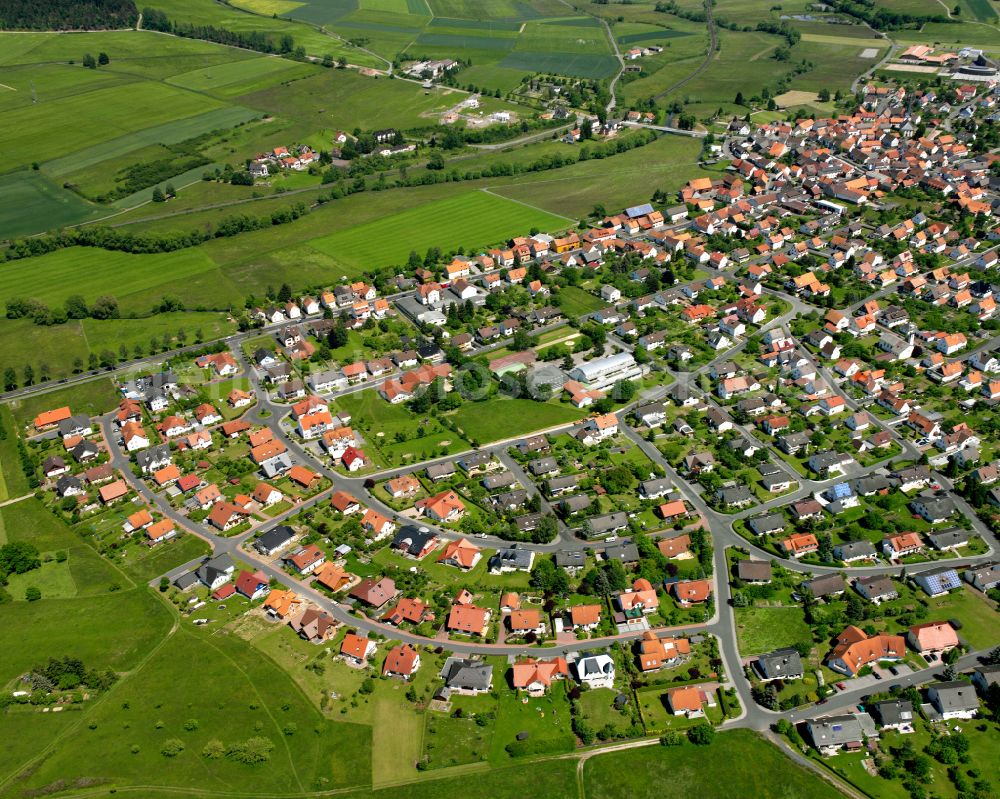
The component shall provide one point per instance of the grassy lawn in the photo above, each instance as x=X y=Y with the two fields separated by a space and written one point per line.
x=89 y=628
x=576 y=302
x=501 y=418
x=597 y=706
x=764 y=629
x=394 y=434
x=397 y=735
x=198 y=688
x=31 y=521
x=143 y=563
x=53 y=579
x=749 y=764
x=980 y=621
x=453 y=741
x=546 y=718
x=93 y=398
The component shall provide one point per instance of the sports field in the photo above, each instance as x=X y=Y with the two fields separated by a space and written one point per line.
x=471 y=220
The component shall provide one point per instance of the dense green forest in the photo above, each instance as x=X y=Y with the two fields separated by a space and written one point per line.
x=63 y=15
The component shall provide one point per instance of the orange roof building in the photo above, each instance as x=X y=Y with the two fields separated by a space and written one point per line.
x=462 y=553
x=692 y=592
x=853 y=650
x=468 y=619
x=934 y=637
x=686 y=701
x=53 y=417
x=401 y=661
x=282 y=603
x=535 y=676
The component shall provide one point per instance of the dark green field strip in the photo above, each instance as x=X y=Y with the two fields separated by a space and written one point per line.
x=581 y=65
x=323 y=12
x=418 y=7
x=465 y=42
x=983 y=10
x=376 y=27
x=475 y=24
x=651 y=36
x=31 y=203
x=579 y=22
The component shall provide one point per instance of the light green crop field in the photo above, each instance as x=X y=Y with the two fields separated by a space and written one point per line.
x=240 y=77
x=575 y=64
x=471 y=219
x=27 y=84
x=92 y=272
x=36 y=133
x=344 y=99
x=316 y=42
x=667 y=163
x=837 y=64
x=166 y=133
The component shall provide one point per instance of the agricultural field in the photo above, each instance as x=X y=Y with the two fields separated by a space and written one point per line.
x=19 y=191
x=470 y=220
x=666 y=164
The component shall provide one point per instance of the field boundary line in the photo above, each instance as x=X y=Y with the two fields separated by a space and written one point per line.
x=529 y=205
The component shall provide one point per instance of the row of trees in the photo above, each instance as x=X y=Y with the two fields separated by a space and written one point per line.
x=107 y=238
x=154 y=19
x=75 y=307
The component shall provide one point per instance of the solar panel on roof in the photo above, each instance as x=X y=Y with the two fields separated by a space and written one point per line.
x=639 y=210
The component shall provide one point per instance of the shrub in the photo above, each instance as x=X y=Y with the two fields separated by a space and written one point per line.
x=251 y=752
x=213 y=750
x=701 y=734
x=172 y=747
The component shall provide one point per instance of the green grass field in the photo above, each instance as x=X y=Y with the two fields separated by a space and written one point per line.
x=13 y=482
x=667 y=163
x=227 y=695
x=761 y=630
x=93 y=397
x=749 y=765
x=501 y=418
x=93 y=272
x=86 y=627
x=34 y=133
x=576 y=302
x=471 y=220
